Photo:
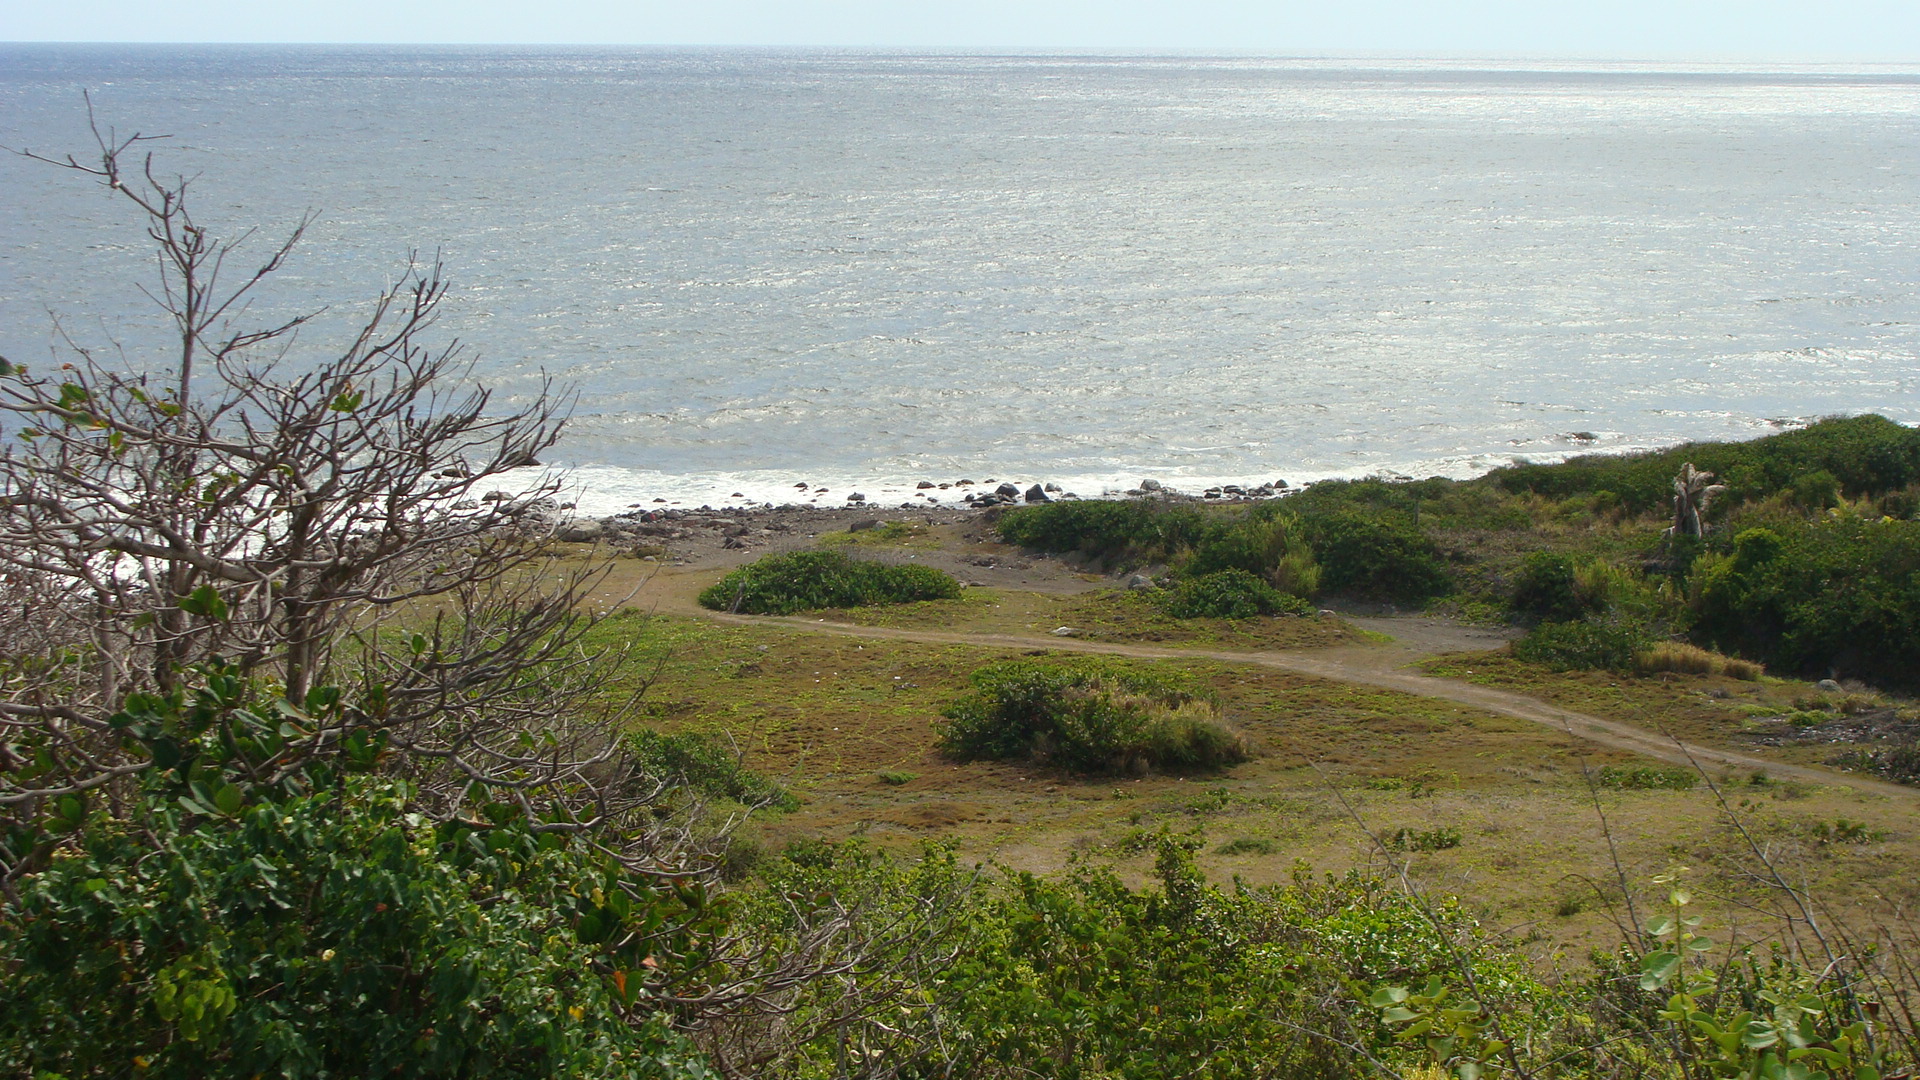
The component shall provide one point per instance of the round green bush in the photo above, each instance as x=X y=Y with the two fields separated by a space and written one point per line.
x=1089 y=719
x=1584 y=645
x=1547 y=590
x=811 y=580
x=1376 y=557
x=1230 y=594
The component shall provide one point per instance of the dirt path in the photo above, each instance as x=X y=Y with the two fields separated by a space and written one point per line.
x=1384 y=666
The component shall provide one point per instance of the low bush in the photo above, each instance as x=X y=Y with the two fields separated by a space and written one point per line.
x=1089 y=719
x=811 y=580
x=1230 y=594
x=1546 y=590
x=1129 y=532
x=1268 y=546
x=1612 y=644
x=1376 y=557
x=1647 y=778
x=1435 y=839
x=704 y=764
x=1864 y=456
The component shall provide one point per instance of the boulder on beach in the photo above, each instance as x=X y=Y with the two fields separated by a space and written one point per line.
x=581 y=531
x=1037 y=494
x=924 y=485
x=1149 y=485
x=1011 y=491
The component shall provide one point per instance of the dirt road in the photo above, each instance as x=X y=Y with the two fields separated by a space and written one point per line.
x=1387 y=666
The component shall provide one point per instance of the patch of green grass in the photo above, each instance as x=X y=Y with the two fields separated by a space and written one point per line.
x=1245 y=845
x=1647 y=778
x=896 y=777
x=885 y=534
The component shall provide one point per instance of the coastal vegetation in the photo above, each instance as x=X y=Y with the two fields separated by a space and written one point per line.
x=1809 y=562
x=312 y=766
x=812 y=580
x=1088 y=719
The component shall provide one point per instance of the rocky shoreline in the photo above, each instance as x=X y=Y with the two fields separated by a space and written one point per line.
x=669 y=533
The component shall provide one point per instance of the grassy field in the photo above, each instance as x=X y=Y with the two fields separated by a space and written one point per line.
x=1511 y=813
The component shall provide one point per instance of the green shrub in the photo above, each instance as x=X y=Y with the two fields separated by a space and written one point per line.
x=1123 y=532
x=1841 y=593
x=1546 y=590
x=1230 y=594
x=1267 y=546
x=1612 y=644
x=1436 y=839
x=1817 y=490
x=1865 y=455
x=1089 y=719
x=811 y=580
x=1376 y=557
x=1647 y=778
x=703 y=763
x=223 y=920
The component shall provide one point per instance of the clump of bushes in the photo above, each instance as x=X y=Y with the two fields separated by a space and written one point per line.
x=811 y=580
x=1269 y=546
x=1230 y=594
x=1840 y=593
x=1862 y=456
x=1088 y=719
x=1122 y=533
x=1613 y=644
x=1376 y=557
x=1678 y=656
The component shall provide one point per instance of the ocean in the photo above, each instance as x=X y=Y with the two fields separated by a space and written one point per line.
x=857 y=271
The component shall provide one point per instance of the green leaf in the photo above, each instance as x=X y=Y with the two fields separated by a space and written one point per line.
x=228 y=799
x=347 y=401
x=1398 y=1014
x=1387 y=995
x=1657 y=968
x=205 y=601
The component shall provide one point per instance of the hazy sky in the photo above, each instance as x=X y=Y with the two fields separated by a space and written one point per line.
x=1703 y=29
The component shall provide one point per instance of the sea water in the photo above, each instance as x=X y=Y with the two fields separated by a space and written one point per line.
x=758 y=270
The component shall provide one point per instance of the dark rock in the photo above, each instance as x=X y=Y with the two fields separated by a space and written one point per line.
x=856 y=497
x=1037 y=494
x=863 y=525
x=924 y=485
x=1051 y=487
x=963 y=483
x=1280 y=485
x=580 y=532
x=734 y=543
x=1008 y=490
x=1149 y=485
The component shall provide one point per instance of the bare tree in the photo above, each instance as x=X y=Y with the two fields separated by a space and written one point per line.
x=227 y=502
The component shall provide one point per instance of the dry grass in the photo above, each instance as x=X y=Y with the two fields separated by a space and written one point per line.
x=1685 y=659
